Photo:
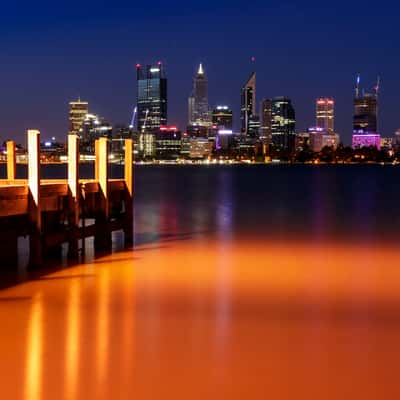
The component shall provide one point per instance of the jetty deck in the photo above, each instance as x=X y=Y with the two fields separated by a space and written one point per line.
x=55 y=212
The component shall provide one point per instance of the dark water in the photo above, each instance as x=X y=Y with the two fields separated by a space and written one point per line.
x=303 y=202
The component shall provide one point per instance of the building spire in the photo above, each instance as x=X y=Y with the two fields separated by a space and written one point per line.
x=200 y=71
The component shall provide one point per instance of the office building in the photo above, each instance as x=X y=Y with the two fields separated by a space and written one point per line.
x=222 y=118
x=325 y=114
x=200 y=148
x=266 y=120
x=225 y=139
x=386 y=143
x=151 y=97
x=199 y=112
x=396 y=141
x=283 y=127
x=168 y=143
x=320 y=138
x=365 y=114
x=147 y=145
x=248 y=104
x=365 y=118
x=302 y=141
x=93 y=127
x=77 y=114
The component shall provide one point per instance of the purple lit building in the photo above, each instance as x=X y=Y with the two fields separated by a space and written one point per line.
x=367 y=140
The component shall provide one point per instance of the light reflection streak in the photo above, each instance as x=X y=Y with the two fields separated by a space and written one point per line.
x=102 y=328
x=128 y=329
x=72 y=340
x=34 y=351
x=224 y=218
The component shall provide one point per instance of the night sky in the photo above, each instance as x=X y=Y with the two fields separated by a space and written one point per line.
x=52 y=52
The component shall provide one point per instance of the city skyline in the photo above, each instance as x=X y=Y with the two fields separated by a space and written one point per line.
x=38 y=83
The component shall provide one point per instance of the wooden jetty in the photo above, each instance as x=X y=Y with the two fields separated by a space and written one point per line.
x=54 y=212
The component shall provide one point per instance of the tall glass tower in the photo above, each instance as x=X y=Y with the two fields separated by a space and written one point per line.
x=151 y=97
x=199 y=112
x=283 y=124
x=248 y=104
x=365 y=119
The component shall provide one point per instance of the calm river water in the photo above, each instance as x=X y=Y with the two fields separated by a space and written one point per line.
x=246 y=282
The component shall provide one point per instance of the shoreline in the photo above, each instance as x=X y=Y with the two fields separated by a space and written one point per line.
x=219 y=163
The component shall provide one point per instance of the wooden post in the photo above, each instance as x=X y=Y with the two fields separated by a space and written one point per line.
x=103 y=171
x=128 y=176
x=11 y=161
x=102 y=240
x=35 y=237
x=73 y=186
x=96 y=163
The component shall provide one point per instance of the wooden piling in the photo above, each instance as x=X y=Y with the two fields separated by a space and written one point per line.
x=96 y=163
x=11 y=161
x=35 y=217
x=74 y=192
x=102 y=239
x=128 y=199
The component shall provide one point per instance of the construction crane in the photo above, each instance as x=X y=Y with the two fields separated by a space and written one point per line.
x=133 y=120
x=358 y=80
x=377 y=86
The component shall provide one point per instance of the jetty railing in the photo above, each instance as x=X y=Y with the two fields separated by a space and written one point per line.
x=54 y=212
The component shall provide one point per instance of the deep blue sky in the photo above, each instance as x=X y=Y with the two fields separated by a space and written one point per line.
x=51 y=52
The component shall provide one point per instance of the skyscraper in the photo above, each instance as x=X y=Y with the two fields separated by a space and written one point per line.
x=77 y=115
x=325 y=114
x=151 y=97
x=199 y=112
x=93 y=127
x=365 y=117
x=248 y=104
x=283 y=127
x=365 y=114
x=266 y=120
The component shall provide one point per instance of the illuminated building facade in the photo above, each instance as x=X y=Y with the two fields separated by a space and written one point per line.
x=225 y=139
x=302 y=141
x=320 y=138
x=386 y=143
x=366 y=140
x=266 y=120
x=283 y=126
x=365 y=114
x=197 y=130
x=200 y=148
x=168 y=144
x=199 y=112
x=147 y=145
x=222 y=117
x=151 y=97
x=77 y=114
x=396 y=141
x=325 y=114
x=93 y=127
x=248 y=104
x=254 y=127
x=365 y=118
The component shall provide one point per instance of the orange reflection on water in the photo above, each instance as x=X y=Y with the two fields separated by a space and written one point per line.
x=102 y=330
x=72 y=348
x=210 y=317
x=34 y=351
